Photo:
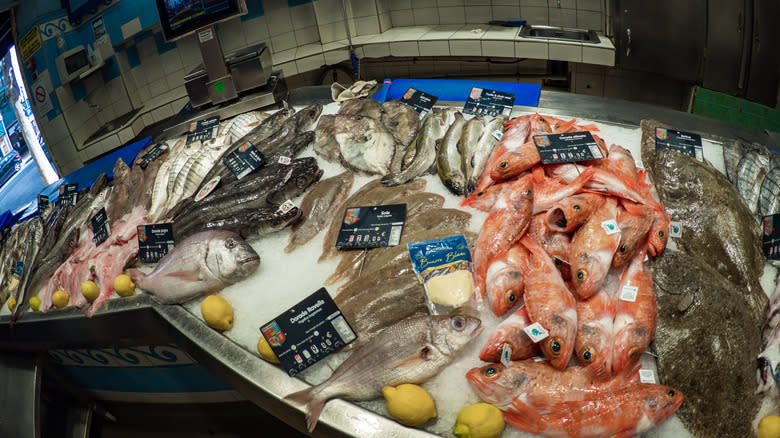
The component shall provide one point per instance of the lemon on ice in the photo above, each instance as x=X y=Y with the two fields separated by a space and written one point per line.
x=60 y=299
x=479 y=420
x=769 y=427
x=409 y=404
x=35 y=303
x=90 y=290
x=123 y=285
x=265 y=350
x=11 y=303
x=217 y=312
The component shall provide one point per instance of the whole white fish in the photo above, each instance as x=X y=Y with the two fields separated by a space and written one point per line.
x=410 y=351
x=481 y=152
x=200 y=264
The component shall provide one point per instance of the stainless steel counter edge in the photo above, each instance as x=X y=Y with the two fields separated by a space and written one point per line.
x=139 y=320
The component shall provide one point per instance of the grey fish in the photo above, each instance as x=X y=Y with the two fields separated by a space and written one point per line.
x=200 y=264
x=448 y=160
x=468 y=146
x=305 y=119
x=100 y=182
x=249 y=224
x=363 y=106
x=325 y=144
x=484 y=148
x=294 y=187
x=402 y=120
x=705 y=329
x=371 y=193
x=32 y=245
x=120 y=195
x=715 y=221
x=751 y=171
x=364 y=144
x=325 y=197
x=411 y=351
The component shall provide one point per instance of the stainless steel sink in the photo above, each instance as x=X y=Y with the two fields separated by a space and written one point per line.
x=560 y=33
x=112 y=125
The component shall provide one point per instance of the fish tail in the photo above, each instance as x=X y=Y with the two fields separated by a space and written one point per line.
x=313 y=403
x=136 y=275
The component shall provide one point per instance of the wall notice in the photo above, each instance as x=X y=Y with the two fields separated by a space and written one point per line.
x=30 y=43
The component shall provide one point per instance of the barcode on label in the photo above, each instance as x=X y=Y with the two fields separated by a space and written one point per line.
x=343 y=329
x=595 y=151
x=610 y=227
x=284 y=160
x=506 y=355
x=646 y=376
x=675 y=229
x=395 y=236
x=629 y=293
x=497 y=135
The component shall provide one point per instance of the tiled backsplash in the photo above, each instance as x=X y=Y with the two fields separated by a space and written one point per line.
x=147 y=72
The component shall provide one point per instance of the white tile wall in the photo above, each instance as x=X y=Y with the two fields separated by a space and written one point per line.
x=557 y=4
x=466 y=47
x=589 y=20
x=367 y=25
x=477 y=14
x=452 y=15
x=255 y=30
x=404 y=48
x=401 y=17
x=589 y=5
x=536 y=15
x=506 y=12
x=425 y=16
x=303 y=16
x=434 y=48
x=563 y=17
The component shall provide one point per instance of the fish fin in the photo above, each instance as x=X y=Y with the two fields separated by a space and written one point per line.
x=192 y=275
x=311 y=402
x=524 y=417
x=135 y=274
x=417 y=359
x=538 y=174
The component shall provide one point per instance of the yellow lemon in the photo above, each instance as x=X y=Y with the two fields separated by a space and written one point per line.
x=479 y=420
x=265 y=350
x=90 y=290
x=11 y=303
x=217 y=312
x=769 y=427
x=35 y=303
x=123 y=285
x=409 y=404
x=60 y=299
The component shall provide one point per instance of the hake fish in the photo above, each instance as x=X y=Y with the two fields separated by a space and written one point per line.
x=200 y=264
x=327 y=196
x=468 y=146
x=411 y=351
x=490 y=137
x=448 y=159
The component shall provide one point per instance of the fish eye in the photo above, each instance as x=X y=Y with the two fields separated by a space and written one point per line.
x=480 y=194
x=503 y=164
x=458 y=322
x=582 y=274
x=555 y=346
x=623 y=248
x=634 y=354
x=587 y=355
x=491 y=371
x=576 y=207
x=275 y=223
x=671 y=393
x=510 y=297
x=557 y=261
x=528 y=192
x=301 y=181
x=230 y=243
x=661 y=233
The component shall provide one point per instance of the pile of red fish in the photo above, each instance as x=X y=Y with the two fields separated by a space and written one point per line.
x=567 y=242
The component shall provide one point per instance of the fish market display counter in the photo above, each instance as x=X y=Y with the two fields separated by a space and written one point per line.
x=283 y=279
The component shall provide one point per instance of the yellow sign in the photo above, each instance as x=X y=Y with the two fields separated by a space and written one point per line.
x=30 y=43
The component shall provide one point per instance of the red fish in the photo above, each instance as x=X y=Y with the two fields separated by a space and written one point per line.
x=556 y=244
x=514 y=162
x=550 y=303
x=486 y=199
x=550 y=190
x=635 y=321
x=592 y=248
x=504 y=279
x=620 y=162
x=505 y=224
x=659 y=229
x=634 y=221
x=515 y=134
x=620 y=413
x=510 y=334
x=593 y=346
x=569 y=213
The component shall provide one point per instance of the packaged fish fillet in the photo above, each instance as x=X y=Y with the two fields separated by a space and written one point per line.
x=443 y=267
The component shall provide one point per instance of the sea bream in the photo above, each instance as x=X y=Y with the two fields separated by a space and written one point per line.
x=410 y=351
x=200 y=264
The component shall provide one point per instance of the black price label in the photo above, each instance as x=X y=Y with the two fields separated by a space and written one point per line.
x=99 y=226
x=69 y=194
x=308 y=332
x=154 y=241
x=43 y=202
x=5 y=232
x=421 y=101
x=19 y=269
x=482 y=102
x=686 y=143
x=205 y=129
x=770 y=240
x=372 y=226
x=244 y=160
x=566 y=148
x=151 y=155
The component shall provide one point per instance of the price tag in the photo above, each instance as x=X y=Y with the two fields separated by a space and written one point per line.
x=498 y=135
x=629 y=293
x=152 y=155
x=506 y=355
x=421 y=102
x=154 y=241
x=308 y=332
x=372 y=226
x=18 y=270
x=687 y=143
x=675 y=229
x=205 y=129
x=566 y=148
x=286 y=206
x=43 y=203
x=69 y=194
x=244 y=160
x=610 y=227
x=284 y=160
x=770 y=239
x=536 y=332
x=99 y=226
x=482 y=101
x=646 y=376
x=207 y=188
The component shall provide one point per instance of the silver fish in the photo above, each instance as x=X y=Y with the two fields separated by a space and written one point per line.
x=200 y=264
x=483 y=150
x=410 y=351
x=448 y=160
x=433 y=129
x=468 y=144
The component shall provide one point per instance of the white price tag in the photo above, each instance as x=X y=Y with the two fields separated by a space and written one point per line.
x=205 y=35
x=506 y=355
x=539 y=359
x=629 y=293
x=675 y=229
x=536 y=332
x=610 y=227
x=285 y=160
x=646 y=376
x=497 y=135
x=286 y=206
x=207 y=188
